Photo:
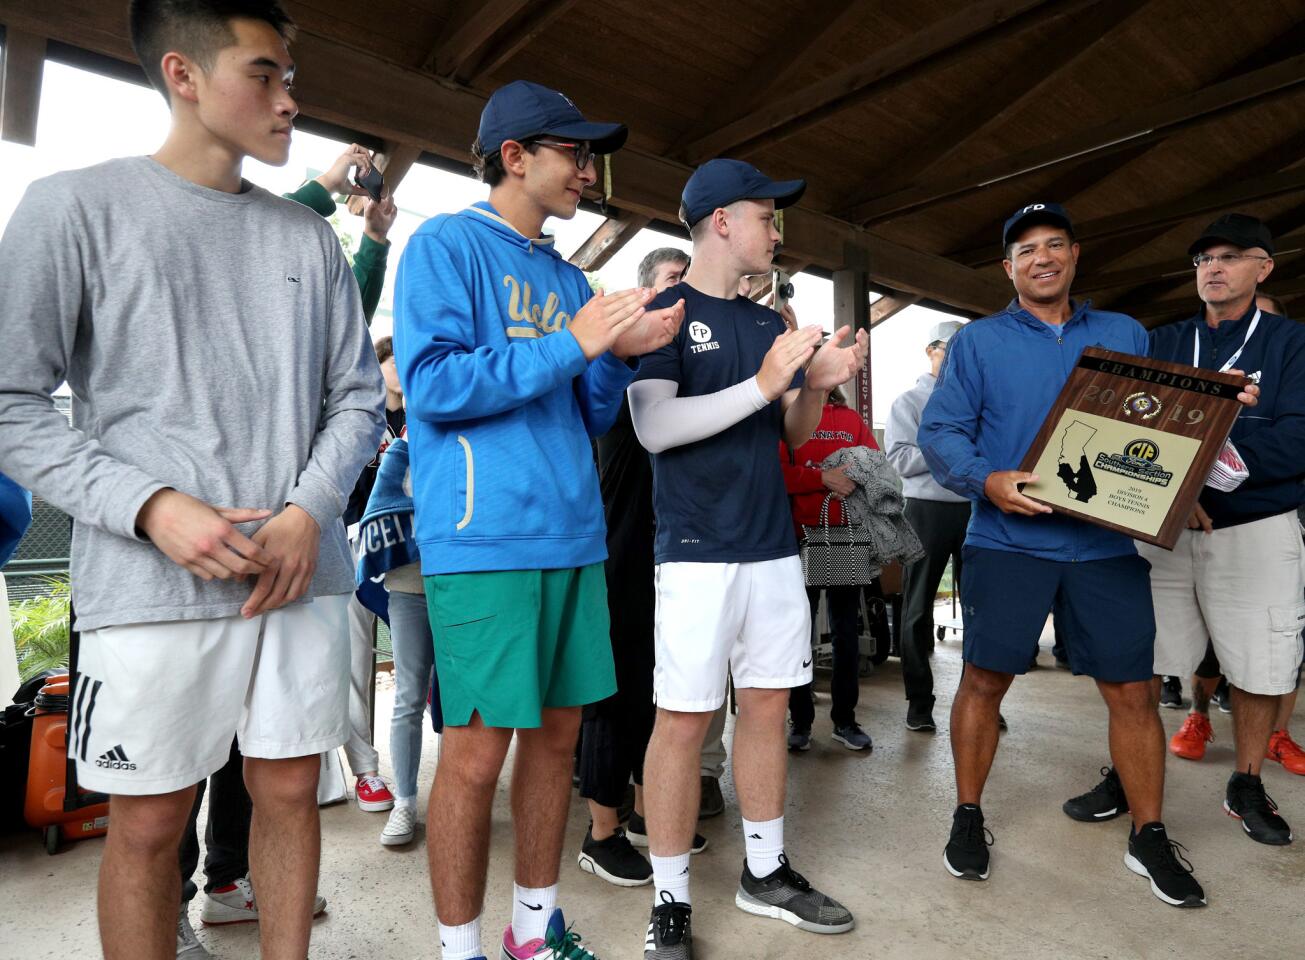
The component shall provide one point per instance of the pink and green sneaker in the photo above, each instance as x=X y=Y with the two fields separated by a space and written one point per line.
x=559 y=942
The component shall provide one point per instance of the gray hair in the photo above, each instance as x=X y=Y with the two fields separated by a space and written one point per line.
x=649 y=264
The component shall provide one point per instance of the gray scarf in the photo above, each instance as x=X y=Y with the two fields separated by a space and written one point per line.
x=876 y=504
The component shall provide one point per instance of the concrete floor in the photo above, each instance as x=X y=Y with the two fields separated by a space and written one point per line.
x=867 y=829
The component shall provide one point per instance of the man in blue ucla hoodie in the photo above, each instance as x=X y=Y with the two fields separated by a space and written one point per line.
x=510 y=364
x=1001 y=376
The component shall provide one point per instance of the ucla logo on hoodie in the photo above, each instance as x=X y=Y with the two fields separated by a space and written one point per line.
x=542 y=319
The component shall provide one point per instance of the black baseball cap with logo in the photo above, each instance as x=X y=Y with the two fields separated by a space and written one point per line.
x=1239 y=229
x=1032 y=215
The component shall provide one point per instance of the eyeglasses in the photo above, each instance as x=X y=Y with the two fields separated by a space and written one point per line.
x=1224 y=259
x=583 y=151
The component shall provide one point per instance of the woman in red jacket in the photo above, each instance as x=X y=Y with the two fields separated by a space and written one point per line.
x=808 y=485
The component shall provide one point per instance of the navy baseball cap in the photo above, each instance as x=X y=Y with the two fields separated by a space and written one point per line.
x=522 y=109
x=718 y=183
x=1033 y=215
x=1239 y=229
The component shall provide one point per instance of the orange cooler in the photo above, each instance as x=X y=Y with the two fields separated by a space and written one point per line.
x=47 y=774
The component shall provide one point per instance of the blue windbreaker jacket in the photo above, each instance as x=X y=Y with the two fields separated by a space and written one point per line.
x=1001 y=376
x=501 y=401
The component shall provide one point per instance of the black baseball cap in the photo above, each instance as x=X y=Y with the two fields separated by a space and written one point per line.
x=1032 y=215
x=522 y=109
x=718 y=183
x=1239 y=229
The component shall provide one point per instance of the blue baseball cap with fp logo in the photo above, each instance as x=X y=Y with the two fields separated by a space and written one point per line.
x=718 y=183
x=1032 y=215
x=522 y=109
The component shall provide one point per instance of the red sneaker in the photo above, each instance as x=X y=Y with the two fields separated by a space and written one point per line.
x=1190 y=740
x=1287 y=752
x=373 y=794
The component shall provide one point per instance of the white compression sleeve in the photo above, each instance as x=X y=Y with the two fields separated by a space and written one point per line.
x=662 y=420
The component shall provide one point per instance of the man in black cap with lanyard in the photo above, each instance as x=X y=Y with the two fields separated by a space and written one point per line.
x=1237 y=576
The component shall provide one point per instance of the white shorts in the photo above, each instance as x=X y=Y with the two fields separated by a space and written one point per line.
x=1241 y=588
x=751 y=620
x=157 y=704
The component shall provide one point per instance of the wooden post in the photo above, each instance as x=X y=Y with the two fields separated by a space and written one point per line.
x=21 y=67
x=852 y=308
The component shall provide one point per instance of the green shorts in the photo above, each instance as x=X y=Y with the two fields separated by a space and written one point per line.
x=510 y=643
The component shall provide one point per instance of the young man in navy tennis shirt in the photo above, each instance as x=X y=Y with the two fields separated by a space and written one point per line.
x=711 y=406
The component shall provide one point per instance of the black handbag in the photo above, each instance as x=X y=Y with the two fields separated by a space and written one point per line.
x=836 y=556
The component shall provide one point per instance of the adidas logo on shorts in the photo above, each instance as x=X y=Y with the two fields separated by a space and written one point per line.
x=115 y=759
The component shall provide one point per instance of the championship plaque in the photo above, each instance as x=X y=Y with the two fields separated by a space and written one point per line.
x=1130 y=441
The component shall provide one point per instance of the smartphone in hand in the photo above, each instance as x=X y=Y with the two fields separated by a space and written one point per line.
x=371 y=181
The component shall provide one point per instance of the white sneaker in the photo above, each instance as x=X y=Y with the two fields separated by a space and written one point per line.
x=401 y=827
x=188 y=945
x=236 y=903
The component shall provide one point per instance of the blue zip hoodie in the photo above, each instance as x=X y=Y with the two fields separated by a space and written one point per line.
x=1000 y=378
x=501 y=401
x=1269 y=436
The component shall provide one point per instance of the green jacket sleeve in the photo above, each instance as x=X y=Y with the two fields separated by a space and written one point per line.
x=315 y=197
x=369 y=270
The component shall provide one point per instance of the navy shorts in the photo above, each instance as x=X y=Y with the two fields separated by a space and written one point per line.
x=1102 y=609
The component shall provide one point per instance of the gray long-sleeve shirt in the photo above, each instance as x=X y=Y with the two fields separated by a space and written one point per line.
x=902 y=450
x=213 y=342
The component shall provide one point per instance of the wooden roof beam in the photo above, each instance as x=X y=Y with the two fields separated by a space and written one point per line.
x=508 y=43
x=811 y=29
x=22 y=64
x=605 y=242
x=928 y=48
x=885 y=308
x=1066 y=46
x=1145 y=126
x=482 y=20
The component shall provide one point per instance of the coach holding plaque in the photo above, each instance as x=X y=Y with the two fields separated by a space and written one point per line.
x=1236 y=579
x=1001 y=376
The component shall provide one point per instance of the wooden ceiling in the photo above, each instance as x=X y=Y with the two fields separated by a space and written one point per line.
x=919 y=125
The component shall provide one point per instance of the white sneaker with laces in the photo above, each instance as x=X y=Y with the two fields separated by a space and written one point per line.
x=236 y=903
x=188 y=945
x=401 y=827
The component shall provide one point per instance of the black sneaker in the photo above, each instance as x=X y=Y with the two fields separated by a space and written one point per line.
x=1247 y=801
x=713 y=801
x=1153 y=855
x=1171 y=693
x=1103 y=802
x=786 y=895
x=669 y=936
x=1221 y=697
x=637 y=830
x=1001 y=722
x=799 y=740
x=853 y=737
x=919 y=716
x=966 y=855
x=614 y=859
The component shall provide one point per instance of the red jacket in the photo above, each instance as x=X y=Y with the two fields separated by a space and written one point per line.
x=839 y=427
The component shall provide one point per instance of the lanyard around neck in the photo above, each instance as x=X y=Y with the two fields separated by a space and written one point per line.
x=1196 y=345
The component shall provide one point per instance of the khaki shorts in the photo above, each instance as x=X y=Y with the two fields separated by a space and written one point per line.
x=1241 y=588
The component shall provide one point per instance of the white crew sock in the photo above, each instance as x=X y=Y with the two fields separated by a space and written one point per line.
x=409 y=802
x=531 y=908
x=672 y=875
x=460 y=942
x=764 y=842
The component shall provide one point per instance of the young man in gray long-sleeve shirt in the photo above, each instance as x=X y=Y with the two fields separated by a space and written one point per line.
x=223 y=380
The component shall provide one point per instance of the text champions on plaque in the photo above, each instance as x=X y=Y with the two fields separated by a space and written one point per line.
x=1130 y=441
